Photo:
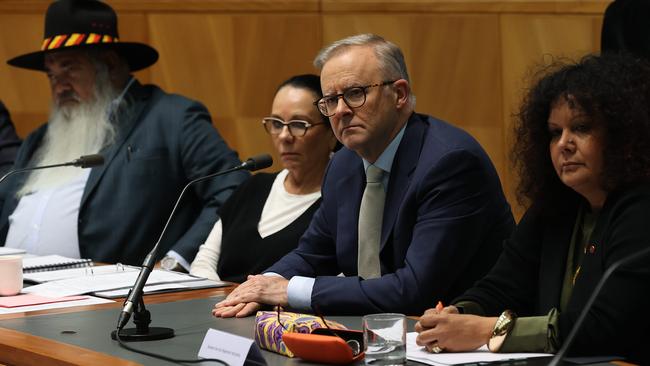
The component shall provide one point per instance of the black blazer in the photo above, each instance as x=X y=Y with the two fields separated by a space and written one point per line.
x=528 y=276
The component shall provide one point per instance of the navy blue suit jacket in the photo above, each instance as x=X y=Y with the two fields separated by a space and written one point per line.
x=163 y=142
x=444 y=220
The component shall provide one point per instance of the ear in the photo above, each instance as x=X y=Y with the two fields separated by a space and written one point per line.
x=112 y=60
x=118 y=69
x=402 y=91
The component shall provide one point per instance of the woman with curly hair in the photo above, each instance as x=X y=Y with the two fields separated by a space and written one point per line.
x=582 y=151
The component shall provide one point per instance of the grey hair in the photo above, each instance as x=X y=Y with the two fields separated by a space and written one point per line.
x=389 y=55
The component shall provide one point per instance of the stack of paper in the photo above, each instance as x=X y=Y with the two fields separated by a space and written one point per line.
x=103 y=282
x=419 y=354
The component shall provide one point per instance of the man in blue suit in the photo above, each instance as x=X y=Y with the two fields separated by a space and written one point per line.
x=444 y=214
x=153 y=144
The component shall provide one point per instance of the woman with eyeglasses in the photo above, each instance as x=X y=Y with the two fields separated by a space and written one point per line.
x=264 y=219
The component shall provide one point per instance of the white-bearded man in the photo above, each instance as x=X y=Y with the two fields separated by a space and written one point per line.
x=153 y=144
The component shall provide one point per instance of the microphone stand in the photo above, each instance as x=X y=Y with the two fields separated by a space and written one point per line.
x=134 y=302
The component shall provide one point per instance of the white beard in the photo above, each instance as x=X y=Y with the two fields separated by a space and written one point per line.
x=72 y=131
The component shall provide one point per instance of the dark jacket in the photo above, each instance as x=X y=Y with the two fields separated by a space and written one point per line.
x=168 y=141
x=529 y=274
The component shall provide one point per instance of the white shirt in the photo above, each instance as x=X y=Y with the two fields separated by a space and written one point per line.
x=45 y=222
x=280 y=210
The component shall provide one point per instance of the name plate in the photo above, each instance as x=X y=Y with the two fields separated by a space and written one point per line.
x=230 y=348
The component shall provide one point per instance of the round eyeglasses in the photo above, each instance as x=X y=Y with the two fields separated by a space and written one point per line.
x=297 y=128
x=353 y=97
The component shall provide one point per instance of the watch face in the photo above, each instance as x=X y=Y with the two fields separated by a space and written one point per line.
x=168 y=263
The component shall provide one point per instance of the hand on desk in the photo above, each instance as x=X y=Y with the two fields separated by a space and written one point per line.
x=247 y=297
x=451 y=331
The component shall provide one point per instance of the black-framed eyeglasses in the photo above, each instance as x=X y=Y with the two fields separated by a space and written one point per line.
x=297 y=127
x=353 y=97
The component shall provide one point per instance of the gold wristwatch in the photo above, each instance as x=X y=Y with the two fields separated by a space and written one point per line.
x=501 y=329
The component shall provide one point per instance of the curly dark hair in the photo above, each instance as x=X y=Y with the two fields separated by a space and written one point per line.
x=612 y=91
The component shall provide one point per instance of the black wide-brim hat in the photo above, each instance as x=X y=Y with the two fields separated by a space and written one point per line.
x=81 y=24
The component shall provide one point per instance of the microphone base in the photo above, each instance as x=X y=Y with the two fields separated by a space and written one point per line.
x=153 y=334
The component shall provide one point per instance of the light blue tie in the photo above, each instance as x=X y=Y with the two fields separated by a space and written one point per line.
x=370 y=219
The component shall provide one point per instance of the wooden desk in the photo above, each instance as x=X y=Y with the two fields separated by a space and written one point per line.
x=36 y=338
x=81 y=336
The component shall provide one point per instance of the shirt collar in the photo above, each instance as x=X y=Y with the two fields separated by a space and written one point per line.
x=385 y=160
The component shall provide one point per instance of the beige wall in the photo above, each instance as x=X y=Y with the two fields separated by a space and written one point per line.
x=467 y=58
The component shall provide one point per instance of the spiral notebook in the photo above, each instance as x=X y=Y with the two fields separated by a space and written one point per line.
x=53 y=262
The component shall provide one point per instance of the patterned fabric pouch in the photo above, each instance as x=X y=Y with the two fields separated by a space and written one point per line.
x=268 y=332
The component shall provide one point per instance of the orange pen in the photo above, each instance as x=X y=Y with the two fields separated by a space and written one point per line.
x=440 y=306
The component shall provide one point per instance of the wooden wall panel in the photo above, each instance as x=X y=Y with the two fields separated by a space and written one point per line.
x=467 y=59
x=233 y=63
x=133 y=27
x=25 y=93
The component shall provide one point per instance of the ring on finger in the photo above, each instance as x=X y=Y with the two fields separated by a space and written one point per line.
x=435 y=348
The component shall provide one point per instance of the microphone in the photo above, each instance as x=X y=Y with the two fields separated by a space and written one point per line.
x=583 y=314
x=134 y=299
x=258 y=162
x=86 y=161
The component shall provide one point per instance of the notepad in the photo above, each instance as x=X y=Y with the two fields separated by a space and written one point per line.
x=52 y=262
x=479 y=356
x=109 y=281
x=62 y=274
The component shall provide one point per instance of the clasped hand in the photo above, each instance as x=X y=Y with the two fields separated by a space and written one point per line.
x=451 y=331
x=247 y=297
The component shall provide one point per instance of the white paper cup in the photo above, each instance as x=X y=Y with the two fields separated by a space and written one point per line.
x=11 y=275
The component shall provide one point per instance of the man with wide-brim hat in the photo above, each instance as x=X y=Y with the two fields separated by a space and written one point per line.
x=74 y=25
x=153 y=144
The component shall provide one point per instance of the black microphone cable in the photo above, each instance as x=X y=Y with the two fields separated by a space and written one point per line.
x=165 y=358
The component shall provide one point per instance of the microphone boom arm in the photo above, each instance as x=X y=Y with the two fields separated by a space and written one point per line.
x=254 y=163
x=86 y=161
